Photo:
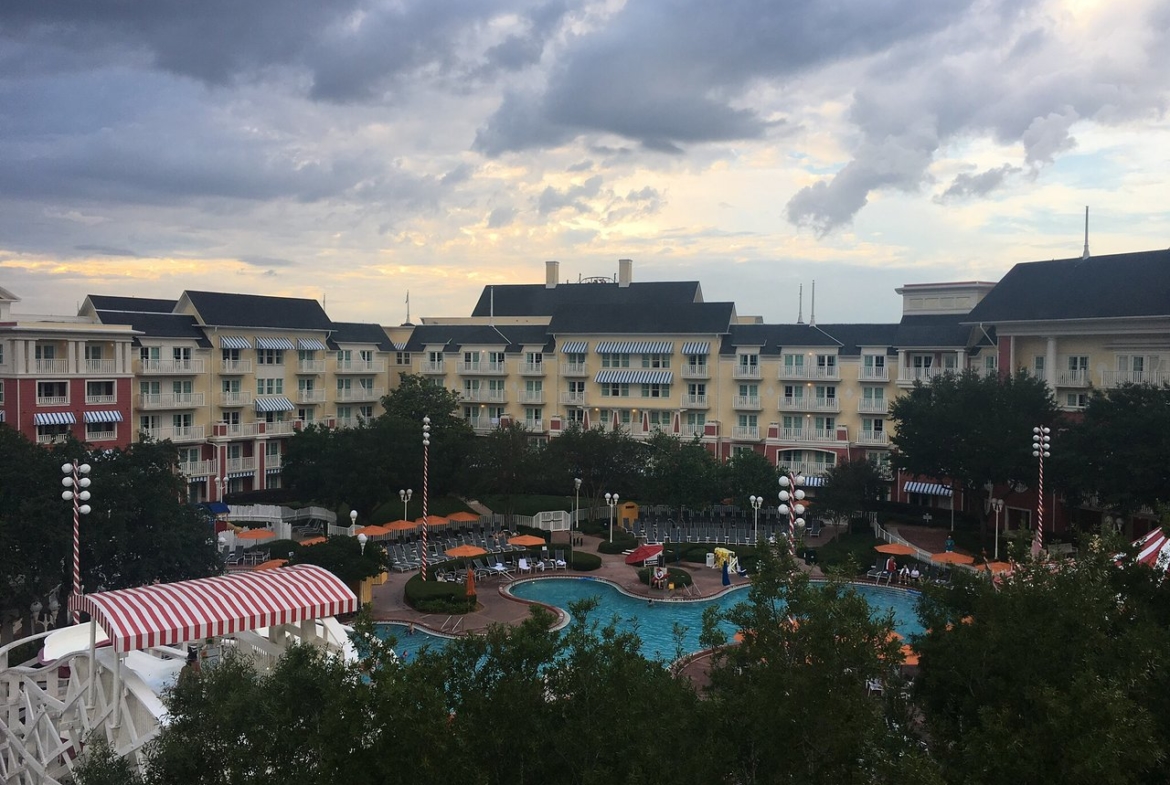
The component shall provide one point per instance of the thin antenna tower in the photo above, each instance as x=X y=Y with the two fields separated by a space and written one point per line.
x=812 y=311
x=1085 y=253
x=800 y=308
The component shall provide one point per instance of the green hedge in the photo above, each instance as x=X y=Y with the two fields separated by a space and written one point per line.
x=583 y=561
x=438 y=596
x=621 y=542
x=679 y=577
x=854 y=550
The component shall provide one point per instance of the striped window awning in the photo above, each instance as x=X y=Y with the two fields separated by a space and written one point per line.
x=697 y=347
x=635 y=347
x=103 y=417
x=274 y=403
x=164 y=614
x=273 y=470
x=634 y=377
x=234 y=342
x=311 y=345
x=927 y=488
x=54 y=418
x=238 y=475
x=274 y=343
x=814 y=482
x=1 y=415
x=575 y=347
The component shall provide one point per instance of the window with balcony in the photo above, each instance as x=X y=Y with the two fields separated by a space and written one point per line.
x=748 y=421
x=307 y=415
x=873 y=399
x=533 y=390
x=366 y=412
x=52 y=434
x=697 y=391
x=271 y=417
x=826 y=395
x=496 y=389
x=749 y=391
x=873 y=366
x=305 y=357
x=101 y=431
x=576 y=415
x=93 y=352
x=1038 y=366
x=270 y=356
x=655 y=390
x=532 y=413
x=658 y=418
x=306 y=386
x=52 y=393
x=615 y=360
x=149 y=354
x=182 y=421
x=471 y=389
x=575 y=358
x=990 y=363
x=825 y=426
x=695 y=421
x=827 y=365
x=148 y=423
x=794 y=395
x=697 y=362
x=794 y=365
x=873 y=428
x=45 y=351
x=98 y=392
x=655 y=360
x=1076 y=400
x=366 y=356
x=435 y=358
x=615 y=390
x=792 y=423
x=747 y=363
x=533 y=359
x=273 y=385
x=182 y=390
x=366 y=383
x=344 y=386
x=950 y=362
x=344 y=413
x=230 y=418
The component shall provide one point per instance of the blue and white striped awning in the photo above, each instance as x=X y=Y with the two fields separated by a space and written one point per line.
x=274 y=343
x=635 y=347
x=54 y=418
x=274 y=403
x=311 y=345
x=634 y=377
x=272 y=470
x=103 y=417
x=814 y=482
x=238 y=475
x=927 y=488
x=1 y=415
x=696 y=347
x=234 y=342
x=575 y=347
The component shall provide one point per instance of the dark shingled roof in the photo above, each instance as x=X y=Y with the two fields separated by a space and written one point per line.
x=513 y=337
x=1100 y=287
x=360 y=332
x=941 y=330
x=254 y=310
x=651 y=318
x=855 y=336
x=158 y=325
x=772 y=338
x=538 y=300
x=105 y=302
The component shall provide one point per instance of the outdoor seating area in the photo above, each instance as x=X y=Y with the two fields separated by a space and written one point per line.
x=502 y=556
x=242 y=557
x=726 y=524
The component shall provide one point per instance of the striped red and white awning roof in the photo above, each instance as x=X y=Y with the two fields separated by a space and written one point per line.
x=1154 y=550
x=168 y=613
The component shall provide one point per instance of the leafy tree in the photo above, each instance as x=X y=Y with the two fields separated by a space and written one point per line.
x=747 y=474
x=606 y=461
x=1055 y=674
x=100 y=766
x=345 y=558
x=678 y=473
x=505 y=462
x=973 y=429
x=1119 y=451
x=849 y=489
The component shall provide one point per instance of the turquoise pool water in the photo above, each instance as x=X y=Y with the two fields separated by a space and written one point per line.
x=655 y=623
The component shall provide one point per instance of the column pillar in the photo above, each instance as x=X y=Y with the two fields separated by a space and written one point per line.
x=1050 y=374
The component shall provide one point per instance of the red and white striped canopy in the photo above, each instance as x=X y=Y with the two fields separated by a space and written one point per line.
x=169 y=613
x=1154 y=550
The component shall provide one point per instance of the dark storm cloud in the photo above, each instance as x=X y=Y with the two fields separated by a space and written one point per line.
x=967 y=186
x=552 y=199
x=105 y=250
x=501 y=217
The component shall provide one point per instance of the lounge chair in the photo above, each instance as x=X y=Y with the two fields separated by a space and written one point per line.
x=559 y=562
x=524 y=566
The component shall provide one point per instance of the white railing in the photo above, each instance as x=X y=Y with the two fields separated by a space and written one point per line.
x=692 y=371
x=872 y=437
x=481 y=424
x=694 y=401
x=235 y=398
x=433 y=367
x=242 y=429
x=573 y=398
x=480 y=367
x=536 y=426
x=920 y=374
x=749 y=433
x=99 y=366
x=827 y=372
x=808 y=468
x=97 y=399
x=100 y=436
x=175 y=367
x=348 y=422
x=747 y=402
x=531 y=396
x=235 y=367
x=825 y=404
x=361 y=366
x=241 y=465
x=532 y=369
x=810 y=403
x=280 y=428
x=881 y=374
x=1078 y=378
x=574 y=369
x=1116 y=378
x=310 y=396
x=51 y=366
x=310 y=366
x=484 y=396
x=52 y=438
x=360 y=394
x=273 y=461
x=52 y=400
x=689 y=430
x=871 y=406
x=199 y=468
x=747 y=372
x=191 y=433
x=170 y=400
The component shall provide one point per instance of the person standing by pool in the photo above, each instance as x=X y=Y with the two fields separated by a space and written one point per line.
x=950 y=546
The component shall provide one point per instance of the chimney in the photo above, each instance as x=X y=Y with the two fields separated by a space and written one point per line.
x=625 y=272
x=552 y=271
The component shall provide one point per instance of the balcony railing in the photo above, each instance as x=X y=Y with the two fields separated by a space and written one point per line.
x=573 y=398
x=310 y=366
x=235 y=398
x=532 y=369
x=808 y=468
x=100 y=436
x=908 y=375
x=52 y=400
x=310 y=396
x=746 y=432
x=361 y=366
x=170 y=400
x=348 y=422
x=481 y=424
x=808 y=434
x=198 y=468
x=1079 y=378
x=574 y=369
x=241 y=465
x=51 y=366
x=747 y=402
x=273 y=461
x=235 y=367
x=747 y=372
x=881 y=374
x=100 y=399
x=99 y=366
x=51 y=438
x=530 y=396
x=360 y=394
x=690 y=430
x=433 y=367
x=191 y=433
x=702 y=371
x=241 y=430
x=170 y=367
x=694 y=401
x=1116 y=378
x=480 y=367
x=536 y=426
x=484 y=396
x=872 y=437
x=280 y=428
x=826 y=372
x=873 y=406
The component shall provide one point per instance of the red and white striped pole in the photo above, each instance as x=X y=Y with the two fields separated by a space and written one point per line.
x=75 y=483
x=1041 y=449
x=796 y=496
x=426 y=460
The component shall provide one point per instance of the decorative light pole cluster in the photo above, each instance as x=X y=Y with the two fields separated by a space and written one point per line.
x=795 y=510
x=997 y=505
x=757 y=502
x=577 y=492
x=611 y=499
x=75 y=483
x=1041 y=449
x=352 y=520
x=405 y=495
x=426 y=461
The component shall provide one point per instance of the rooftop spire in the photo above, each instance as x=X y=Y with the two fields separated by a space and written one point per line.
x=800 y=308
x=1085 y=253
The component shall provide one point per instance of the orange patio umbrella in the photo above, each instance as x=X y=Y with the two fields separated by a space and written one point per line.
x=526 y=540
x=895 y=549
x=313 y=541
x=372 y=530
x=400 y=526
x=255 y=534
x=997 y=567
x=434 y=520
x=465 y=551
x=271 y=564
x=463 y=516
x=910 y=657
x=951 y=557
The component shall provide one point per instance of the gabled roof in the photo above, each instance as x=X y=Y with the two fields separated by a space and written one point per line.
x=853 y=337
x=772 y=338
x=158 y=325
x=539 y=300
x=650 y=318
x=360 y=332
x=1124 y=285
x=106 y=302
x=453 y=337
x=221 y=309
x=938 y=331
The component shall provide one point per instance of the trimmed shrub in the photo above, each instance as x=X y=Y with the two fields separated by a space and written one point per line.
x=583 y=561
x=679 y=577
x=438 y=596
x=621 y=542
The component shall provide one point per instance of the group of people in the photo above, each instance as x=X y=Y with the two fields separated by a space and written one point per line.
x=908 y=573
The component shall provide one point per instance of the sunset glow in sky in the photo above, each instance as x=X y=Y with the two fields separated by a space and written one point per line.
x=354 y=150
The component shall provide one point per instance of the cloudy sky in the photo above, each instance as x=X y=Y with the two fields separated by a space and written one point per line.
x=357 y=149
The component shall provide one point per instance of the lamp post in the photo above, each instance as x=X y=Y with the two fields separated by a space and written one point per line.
x=426 y=460
x=997 y=505
x=352 y=521
x=757 y=502
x=611 y=499
x=362 y=540
x=577 y=492
x=75 y=483
x=1041 y=449
x=794 y=510
x=405 y=496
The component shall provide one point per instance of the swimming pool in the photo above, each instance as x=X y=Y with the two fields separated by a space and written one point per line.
x=655 y=623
